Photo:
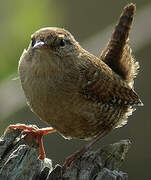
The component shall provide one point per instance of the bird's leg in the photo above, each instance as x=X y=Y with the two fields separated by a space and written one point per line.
x=36 y=133
x=75 y=155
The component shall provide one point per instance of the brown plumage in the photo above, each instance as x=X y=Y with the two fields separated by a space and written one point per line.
x=117 y=54
x=72 y=90
x=78 y=94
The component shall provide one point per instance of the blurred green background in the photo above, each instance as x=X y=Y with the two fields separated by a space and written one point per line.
x=91 y=22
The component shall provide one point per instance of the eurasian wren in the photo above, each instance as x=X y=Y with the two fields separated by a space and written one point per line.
x=75 y=92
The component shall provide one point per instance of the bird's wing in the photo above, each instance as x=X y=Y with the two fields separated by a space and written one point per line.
x=101 y=83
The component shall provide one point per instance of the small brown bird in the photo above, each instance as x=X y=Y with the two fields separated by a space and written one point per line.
x=79 y=95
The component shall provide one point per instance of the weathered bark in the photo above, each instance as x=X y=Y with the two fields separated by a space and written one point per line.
x=19 y=161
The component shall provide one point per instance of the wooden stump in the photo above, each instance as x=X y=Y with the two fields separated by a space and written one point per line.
x=19 y=161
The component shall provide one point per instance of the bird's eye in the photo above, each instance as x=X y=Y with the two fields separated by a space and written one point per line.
x=62 y=43
x=33 y=42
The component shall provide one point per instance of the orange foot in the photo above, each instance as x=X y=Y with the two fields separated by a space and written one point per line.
x=36 y=133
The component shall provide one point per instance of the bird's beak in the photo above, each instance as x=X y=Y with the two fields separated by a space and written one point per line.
x=38 y=45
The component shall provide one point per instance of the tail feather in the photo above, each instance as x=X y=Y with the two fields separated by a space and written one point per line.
x=129 y=66
x=117 y=54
